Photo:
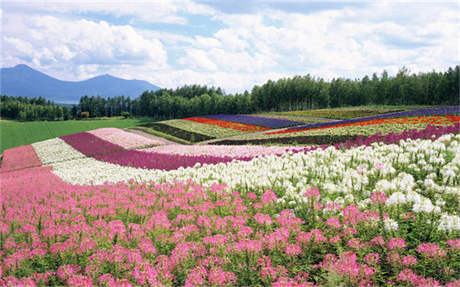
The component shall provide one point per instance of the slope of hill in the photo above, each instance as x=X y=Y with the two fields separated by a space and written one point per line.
x=22 y=80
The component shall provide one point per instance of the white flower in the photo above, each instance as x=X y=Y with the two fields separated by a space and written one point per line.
x=390 y=224
x=449 y=222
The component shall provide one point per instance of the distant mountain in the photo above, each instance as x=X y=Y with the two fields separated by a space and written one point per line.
x=24 y=81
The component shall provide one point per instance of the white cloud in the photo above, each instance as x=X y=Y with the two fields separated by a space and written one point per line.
x=248 y=49
x=50 y=42
x=155 y=11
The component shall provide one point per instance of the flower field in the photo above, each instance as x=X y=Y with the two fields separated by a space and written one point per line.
x=102 y=208
x=272 y=123
x=205 y=129
x=244 y=127
x=349 y=112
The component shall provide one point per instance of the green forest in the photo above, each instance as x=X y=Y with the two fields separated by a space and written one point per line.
x=286 y=94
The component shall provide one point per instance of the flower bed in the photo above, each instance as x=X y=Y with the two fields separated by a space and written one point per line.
x=228 y=125
x=214 y=131
x=428 y=120
x=345 y=113
x=378 y=215
x=89 y=144
x=124 y=139
x=255 y=120
x=19 y=158
x=178 y=133
x=422 y=112
x=222 y=150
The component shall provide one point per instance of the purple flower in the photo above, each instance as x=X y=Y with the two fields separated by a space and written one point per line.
x=422 y=112
x=255 y=120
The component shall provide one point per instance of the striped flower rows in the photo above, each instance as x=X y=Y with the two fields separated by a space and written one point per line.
x=428 y=120
x=415 y=113
x=377 y=215
x=244 y=127
x=255 y=120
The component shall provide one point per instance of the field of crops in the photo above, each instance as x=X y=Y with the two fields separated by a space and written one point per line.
x=110 y=208
x=14 y=133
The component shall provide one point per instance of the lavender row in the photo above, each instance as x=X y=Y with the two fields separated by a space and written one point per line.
x=255 y=120
x=89 y=144
x=422 y=112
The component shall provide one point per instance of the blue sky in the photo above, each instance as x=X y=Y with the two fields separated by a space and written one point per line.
x=231 y=44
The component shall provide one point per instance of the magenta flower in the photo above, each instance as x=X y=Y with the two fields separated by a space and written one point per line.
x=409 y=260
x=396 y=243
x=372 y=258
x=268 y=197
x=312 y=192
x=293 y=249
x=431 y=250
x=263 y=219
x=333 y=222
x=378 y=197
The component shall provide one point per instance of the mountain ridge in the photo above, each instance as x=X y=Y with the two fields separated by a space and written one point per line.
x=22 y=80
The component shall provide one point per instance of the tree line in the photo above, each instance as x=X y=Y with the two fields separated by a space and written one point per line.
x=32 y=109
x=306 y=92
x=286 y=94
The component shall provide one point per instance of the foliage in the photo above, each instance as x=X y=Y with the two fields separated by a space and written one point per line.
x=31 y=109
x=125 y=114
x=307 y=92
x=178 y=133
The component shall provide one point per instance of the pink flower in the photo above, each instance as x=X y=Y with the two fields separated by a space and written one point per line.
x=217 y=276
x=378 y=241
x=350 y=231
x=409 y=260
x=454 y=244
x=431 y=250
x=66 y=271
x=354 y=243
x=251 y=196
x=263 y=219
x=293 y=249
x=378 y=197
x=372 y=258
x=80 y=281
x=268 y=197
x=312 y=192
x=396 y=243
x=334 y=222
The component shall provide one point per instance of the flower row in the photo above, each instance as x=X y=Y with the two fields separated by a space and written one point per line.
x=415 y=113
x=428 y=120
x=125 y=139
x=255 y=120
x=244 y=127
x=19 y=158
x=392 y=219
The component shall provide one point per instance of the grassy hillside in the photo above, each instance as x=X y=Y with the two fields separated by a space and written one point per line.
x=13 y=133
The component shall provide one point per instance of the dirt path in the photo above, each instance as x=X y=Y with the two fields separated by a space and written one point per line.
x=150 y=136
